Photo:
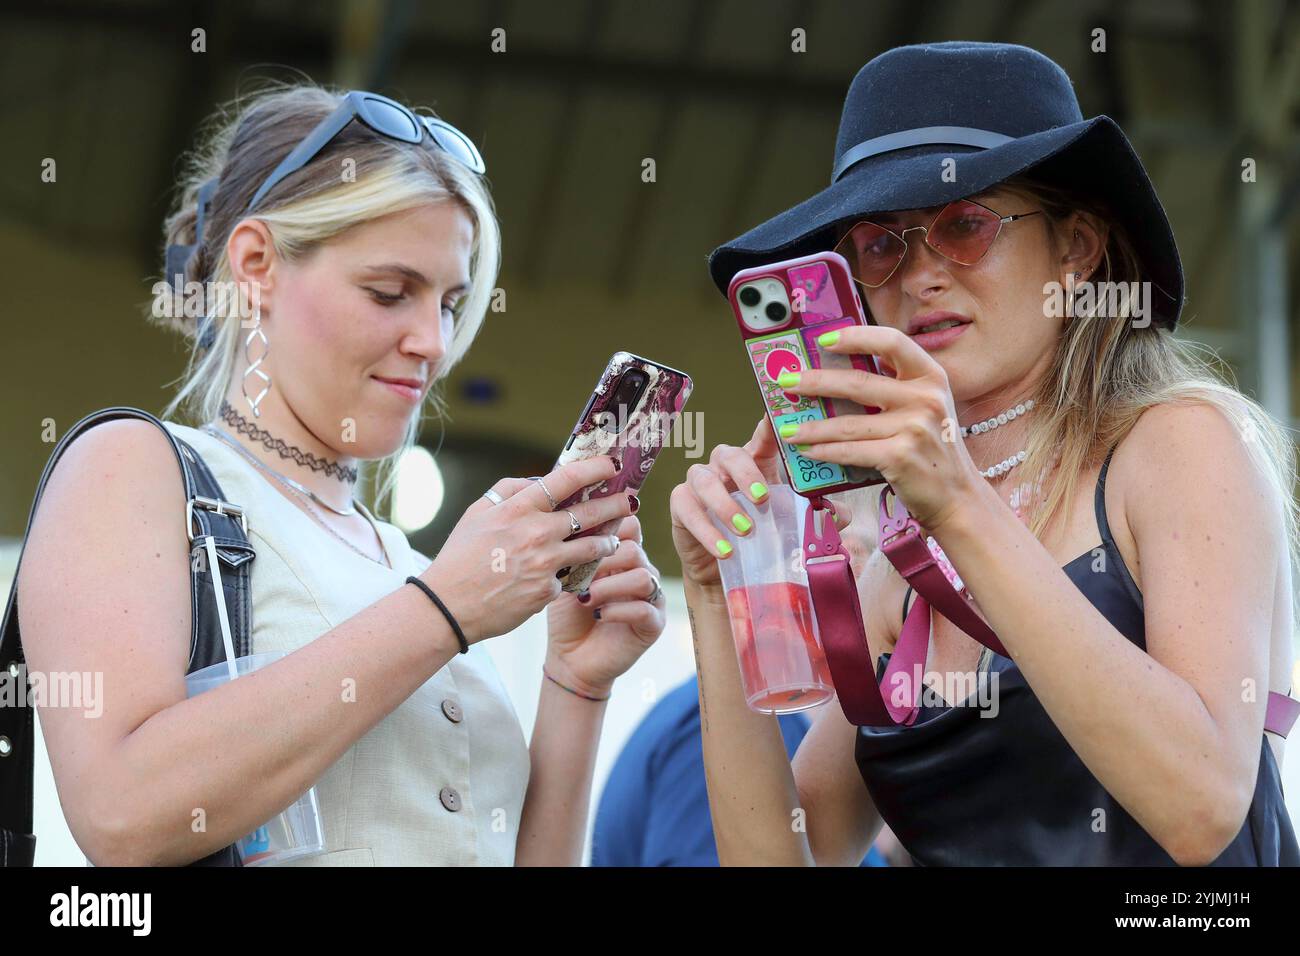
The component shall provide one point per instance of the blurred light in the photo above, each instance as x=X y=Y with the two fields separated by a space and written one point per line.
x=419 y=490
x=480 y=390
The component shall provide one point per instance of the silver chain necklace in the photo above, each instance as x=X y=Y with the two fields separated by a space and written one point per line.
x=285 y=479
x=306 y=495
x=320 y=519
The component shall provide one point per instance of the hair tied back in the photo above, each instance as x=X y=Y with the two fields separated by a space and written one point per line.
x=178 y=256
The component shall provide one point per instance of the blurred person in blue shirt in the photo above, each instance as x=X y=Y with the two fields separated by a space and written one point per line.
x=654 y=810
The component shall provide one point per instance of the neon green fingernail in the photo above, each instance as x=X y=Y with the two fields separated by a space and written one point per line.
x=724 y=549
x=788 y=379
x=828 y=338
x=801 y=447
x=787 y=430
x=742 y=524
x=758 y=489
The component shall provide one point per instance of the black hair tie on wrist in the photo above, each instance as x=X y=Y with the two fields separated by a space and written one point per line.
x=460 y=635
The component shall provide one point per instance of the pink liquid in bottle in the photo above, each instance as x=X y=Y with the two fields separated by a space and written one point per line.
x=782 y=666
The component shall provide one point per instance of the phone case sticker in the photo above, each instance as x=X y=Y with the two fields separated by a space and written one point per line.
x=812 y=293
x=831 y=360
x=771 y=355
x=806 y=474
x=820 y=358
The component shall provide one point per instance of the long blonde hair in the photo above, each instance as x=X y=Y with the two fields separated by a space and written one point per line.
x=1108 y=370
x=1105 y=373
x=240 y=144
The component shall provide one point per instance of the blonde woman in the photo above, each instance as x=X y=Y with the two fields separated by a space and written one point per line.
x=1143 y=592
x=363 y=241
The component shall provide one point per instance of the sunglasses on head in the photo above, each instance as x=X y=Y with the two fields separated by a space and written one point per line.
x=961 y=232
x=386 y=117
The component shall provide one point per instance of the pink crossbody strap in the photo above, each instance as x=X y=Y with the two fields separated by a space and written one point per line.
x=902 y=539
x=893 y=700
x=1281 y=713
x=843 y=635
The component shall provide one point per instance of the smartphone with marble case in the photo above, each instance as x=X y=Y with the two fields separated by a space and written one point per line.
x=629 y=416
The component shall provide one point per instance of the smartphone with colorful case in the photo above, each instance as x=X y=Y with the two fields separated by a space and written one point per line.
x=781 y=309
x=629 y=416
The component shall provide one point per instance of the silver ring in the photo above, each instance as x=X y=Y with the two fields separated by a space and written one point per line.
x=658 y=591
x=493 y=497
x=547 y=491
x=574 y=523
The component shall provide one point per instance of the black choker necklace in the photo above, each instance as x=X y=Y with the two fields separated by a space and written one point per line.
x=244 y=427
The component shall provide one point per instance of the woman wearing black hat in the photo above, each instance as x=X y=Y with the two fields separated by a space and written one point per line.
x=1142 y=587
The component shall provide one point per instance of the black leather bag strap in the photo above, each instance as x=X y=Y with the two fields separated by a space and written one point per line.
x=207 y=514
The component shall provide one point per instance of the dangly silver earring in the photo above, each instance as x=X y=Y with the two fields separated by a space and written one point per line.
x=254 y=366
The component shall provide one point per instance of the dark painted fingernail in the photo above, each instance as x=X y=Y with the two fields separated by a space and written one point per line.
x=562 y=572
x=617 y=465
x=636 y=502
x=584 y=597
x=596 y=614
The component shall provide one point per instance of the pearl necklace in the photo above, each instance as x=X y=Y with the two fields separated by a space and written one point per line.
x=979 y=428
x=991 y=423
x=1019 y=495
x=1005 y=465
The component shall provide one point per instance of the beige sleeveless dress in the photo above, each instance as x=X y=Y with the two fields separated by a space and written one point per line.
x=440 y=781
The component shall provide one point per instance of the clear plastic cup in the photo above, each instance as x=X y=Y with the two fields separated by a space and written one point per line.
x=296 y=831
x=783 y=668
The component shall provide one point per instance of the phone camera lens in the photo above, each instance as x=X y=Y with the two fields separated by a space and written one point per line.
x=776 y=311
x=624 y=398
x=749 y=296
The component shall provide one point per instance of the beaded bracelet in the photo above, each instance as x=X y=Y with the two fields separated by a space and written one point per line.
x=576 y=693
x=460 y=635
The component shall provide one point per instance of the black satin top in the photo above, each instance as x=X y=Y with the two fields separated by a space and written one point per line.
x=958 y=788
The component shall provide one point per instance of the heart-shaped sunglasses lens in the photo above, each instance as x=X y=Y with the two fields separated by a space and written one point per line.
x=962 y=232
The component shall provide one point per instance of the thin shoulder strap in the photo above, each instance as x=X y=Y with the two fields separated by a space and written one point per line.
x=1099 y=498
x=206 y=515
x=1281 y=710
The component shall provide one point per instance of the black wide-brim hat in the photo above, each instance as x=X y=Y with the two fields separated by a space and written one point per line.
x=999 y=110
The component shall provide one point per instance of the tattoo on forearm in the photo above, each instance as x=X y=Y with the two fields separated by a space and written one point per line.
x=699 y=671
